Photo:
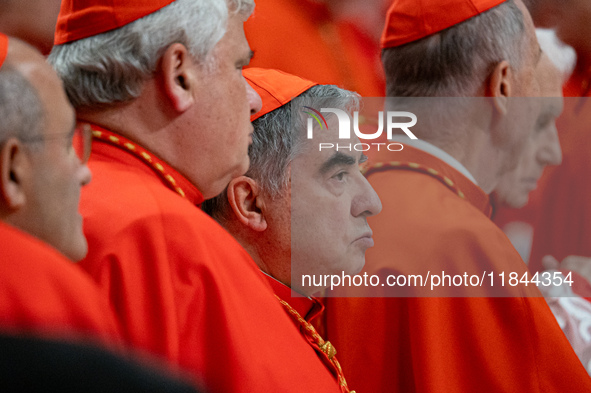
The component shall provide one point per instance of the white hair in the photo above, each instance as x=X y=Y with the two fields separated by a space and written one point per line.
x=111 y=67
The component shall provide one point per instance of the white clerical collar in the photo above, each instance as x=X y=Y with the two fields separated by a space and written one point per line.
x=434 y=151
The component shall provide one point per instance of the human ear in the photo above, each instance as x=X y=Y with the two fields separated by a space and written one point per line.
x=178 y=73
x=13 y=166
x=499 y=86
x=247 y=203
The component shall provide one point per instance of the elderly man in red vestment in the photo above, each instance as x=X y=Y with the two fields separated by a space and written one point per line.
x=53 y=317
x=161 y=82
x=40 y=180
x=559 y=209
x=294 y=204
x=513 y=190
x=436 y=215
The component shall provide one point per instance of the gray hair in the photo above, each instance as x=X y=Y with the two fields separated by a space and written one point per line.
x=21 y=109
x=111 y=67
x=456 y=61
x=277 y=140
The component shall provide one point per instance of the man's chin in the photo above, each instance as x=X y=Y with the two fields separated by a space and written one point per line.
x=78 y=251
x=357 y=266
x=518 y=202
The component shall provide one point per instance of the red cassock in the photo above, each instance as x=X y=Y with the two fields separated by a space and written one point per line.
x=42 y=292
x=181 y=286
x=301 y=38
x=436 y=219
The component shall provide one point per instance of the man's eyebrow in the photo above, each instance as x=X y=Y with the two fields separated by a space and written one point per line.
x=335 y=160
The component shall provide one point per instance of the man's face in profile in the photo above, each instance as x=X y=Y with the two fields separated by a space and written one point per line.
x=542 y=148
x=221 y=116
x=55 y=174
x=330 y=203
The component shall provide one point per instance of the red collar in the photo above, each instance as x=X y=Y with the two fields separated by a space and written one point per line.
x=308 y=307
x=169 y=176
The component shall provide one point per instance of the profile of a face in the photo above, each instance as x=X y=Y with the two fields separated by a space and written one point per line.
x=54 y=174
x=330 y=203
x=542 y=147
x=224 y=102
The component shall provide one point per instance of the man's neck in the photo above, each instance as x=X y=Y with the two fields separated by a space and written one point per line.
x=471 y=157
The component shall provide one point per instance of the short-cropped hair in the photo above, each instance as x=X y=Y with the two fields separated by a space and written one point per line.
x=456 y=61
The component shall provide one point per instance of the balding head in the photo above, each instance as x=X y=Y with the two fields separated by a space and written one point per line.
x=20 y=106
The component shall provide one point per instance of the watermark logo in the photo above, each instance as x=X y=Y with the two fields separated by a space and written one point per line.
x=392 y=120
x=316 y=115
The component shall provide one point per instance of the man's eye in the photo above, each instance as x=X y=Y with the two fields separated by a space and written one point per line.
x=340 y=176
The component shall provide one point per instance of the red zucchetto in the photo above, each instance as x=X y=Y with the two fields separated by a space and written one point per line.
x=276 y=88
x=411 y=20
x=85 y=18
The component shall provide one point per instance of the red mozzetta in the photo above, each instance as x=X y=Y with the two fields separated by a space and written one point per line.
x=181 y=286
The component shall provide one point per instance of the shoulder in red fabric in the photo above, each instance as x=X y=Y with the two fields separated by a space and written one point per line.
x=42 y=292
x=183 y=288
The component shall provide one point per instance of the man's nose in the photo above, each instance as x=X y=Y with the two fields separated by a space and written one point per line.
x=254 y=101
x=366 y=202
